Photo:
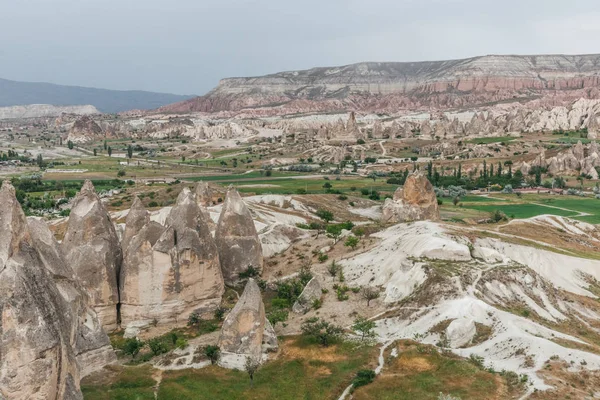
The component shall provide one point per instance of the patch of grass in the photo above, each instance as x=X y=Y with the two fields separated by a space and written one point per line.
x=525 y=210
x=300 y=373
x=420 y=372
x=488 y=140
x=129 y=383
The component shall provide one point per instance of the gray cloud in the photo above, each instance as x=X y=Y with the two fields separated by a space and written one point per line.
x=186 y=46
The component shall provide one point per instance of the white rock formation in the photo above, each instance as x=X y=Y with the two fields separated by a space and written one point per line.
x=91 y=247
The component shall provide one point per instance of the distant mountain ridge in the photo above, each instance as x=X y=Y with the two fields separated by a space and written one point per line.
x=383 y=86
x=14 y=93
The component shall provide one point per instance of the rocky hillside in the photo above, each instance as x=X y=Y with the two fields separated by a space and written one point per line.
x=392 y=86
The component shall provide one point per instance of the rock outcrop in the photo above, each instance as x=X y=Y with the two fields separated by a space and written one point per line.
x=137 y=217
x=415 y=201
x=170 y=273
x=204 y=195
x=92 y=249
x=85 y=129
x=237 y=240
x=246 y=332
x=312 y=291
x=89 y=341
x=388 y=87
x=37 y=360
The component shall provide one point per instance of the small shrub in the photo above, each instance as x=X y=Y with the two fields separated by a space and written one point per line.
x=157 y=346
x=213 y=353
x=181 y=343
x=193 y=319
x=363 y=377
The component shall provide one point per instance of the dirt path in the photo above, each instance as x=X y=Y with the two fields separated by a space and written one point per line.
x=157 y=376
x=383 y=150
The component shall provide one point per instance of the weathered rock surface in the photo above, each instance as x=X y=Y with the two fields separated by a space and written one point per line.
x=91 y=247
x=203 y=195
x=237 y=240
x=311 y=292
x=246 y=332
x=137 y=217
x=85 y=129
x=460 y=332
x=388 y=87
x=169 y=273
x=37 y=360
x=89 y=341
x=415 y=201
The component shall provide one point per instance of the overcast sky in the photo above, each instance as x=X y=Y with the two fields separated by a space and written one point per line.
x=186 y=46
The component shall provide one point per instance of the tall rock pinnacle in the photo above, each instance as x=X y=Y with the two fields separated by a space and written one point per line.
x=91 y=247
x=237 y=240
x=36 y=357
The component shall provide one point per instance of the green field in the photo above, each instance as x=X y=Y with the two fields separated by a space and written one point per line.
x=488 y=140
x=531 y=205
x=526 y=210
x=305 y=371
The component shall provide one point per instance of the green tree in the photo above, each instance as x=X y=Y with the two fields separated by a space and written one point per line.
x=333 y=269
x=352 y=242
x=157 y=346
x=322 y=331
x=213 y=353
x=325 y=215
x=129 y=151
x=70 y=145
x=364 y=327
x=132 y=347
x=109 y=150
x=95 y=152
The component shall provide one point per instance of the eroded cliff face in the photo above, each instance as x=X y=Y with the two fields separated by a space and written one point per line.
x=37 y=360
x=169 y=271
x=392 y=86
x=87 y=337
x=237 y=240
x=92 y=248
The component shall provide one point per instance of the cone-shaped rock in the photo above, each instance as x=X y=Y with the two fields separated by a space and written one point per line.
x=416 y=200
x=312 y=291
x=137 y=217
x=91 y=247
x=237 y=239
x=169 y=273
x=36 y=357
x=246 y=332
x=88 y=339
x=203 y=195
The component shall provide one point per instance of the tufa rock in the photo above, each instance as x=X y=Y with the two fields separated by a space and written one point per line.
x=413 y=202
x=203 y=196
x=170 y=273
x=90 y=343
x=237 y=240
x=312 y=291
x=91 y=247
x=137 y=217
x=246 y=332
x=36 y=357
x=85 y=130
